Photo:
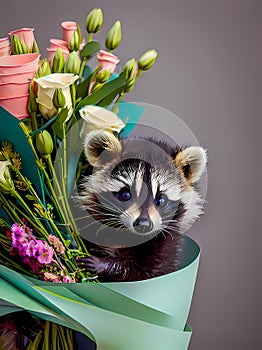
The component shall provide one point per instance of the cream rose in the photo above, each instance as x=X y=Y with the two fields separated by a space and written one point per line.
x=96 y=118
x=46 y=89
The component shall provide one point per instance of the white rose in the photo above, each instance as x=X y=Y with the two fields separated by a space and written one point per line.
x=46 y=89
x=4 y=171
x=96 y=118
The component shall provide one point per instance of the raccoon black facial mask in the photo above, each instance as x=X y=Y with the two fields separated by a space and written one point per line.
x=141 y=193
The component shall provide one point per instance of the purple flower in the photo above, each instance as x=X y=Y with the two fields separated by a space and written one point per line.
x=43 y=252
x=18 y=235
x=27 y=249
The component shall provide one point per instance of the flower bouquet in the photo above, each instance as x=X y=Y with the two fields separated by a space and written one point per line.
x=50 y=284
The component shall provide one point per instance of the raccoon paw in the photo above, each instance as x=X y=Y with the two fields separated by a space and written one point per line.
x=91 y=264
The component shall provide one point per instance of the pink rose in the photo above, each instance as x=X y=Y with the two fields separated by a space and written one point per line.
x=107 y=61
x=5 y=46
x=68 y=30
x=56 y=43
x=25 y=35
x=52 y=51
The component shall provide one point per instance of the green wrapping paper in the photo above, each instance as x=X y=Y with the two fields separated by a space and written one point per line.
x=147 y=314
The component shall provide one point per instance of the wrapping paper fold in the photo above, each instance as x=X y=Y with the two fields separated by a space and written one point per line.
x=148 y=314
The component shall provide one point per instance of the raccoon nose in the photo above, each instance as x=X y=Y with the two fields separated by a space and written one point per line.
x=143 y=225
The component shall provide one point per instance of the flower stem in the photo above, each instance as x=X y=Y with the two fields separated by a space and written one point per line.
x=120 y=96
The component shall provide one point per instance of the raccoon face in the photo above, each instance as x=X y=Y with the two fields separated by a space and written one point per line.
x=139 y=187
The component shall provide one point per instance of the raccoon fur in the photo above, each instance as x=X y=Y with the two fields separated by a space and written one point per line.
x=140 y=197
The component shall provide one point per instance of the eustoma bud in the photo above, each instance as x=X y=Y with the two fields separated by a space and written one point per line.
x=147 y=60
x=103 y=76
x=114 y=36
x=73 y=63
x=44 y=143
x=94 y=21
x=58 y=62
x=35 y=47
x=59 y=100
x=44 y=69
x=75 y=41
x=17 y=48
x=131 y=73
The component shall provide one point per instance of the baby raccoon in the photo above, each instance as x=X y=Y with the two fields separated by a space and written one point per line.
x=140 y=196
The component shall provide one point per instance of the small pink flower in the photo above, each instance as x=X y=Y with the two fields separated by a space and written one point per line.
x=67 y=279
x=107 y=61
x=58 y=245
x=51 y=277
x=68 y=30
x=25 y=35
x=43 y=252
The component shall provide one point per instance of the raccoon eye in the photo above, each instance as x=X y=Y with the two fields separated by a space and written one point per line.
x=161 y=201
x=124 y=195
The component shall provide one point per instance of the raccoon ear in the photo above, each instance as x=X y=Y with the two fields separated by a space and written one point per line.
x=191 y=162
x=98 y=141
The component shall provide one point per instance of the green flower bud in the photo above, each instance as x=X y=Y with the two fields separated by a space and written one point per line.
x=94 y=21
x=58 y=62
x=44 y=69
x=44 y=143
x=73 y=63
x=130 y=84
x=35 y=47
x=17 y=48
x=147 y=60
x=59 y=100
x=114 y=36
x=24 y=47
x=79 y=33
x=32 y=105
x=103 y=76
x=75 y=41
x=131 y=69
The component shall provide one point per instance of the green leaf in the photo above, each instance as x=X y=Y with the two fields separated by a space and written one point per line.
x=107 y=89
x=90 y=49
x=57 y=125
x=82 y=88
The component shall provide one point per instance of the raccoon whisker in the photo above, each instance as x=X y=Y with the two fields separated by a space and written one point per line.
x=102 y=206
x=86 y=226
x=82 y=217
x=163 y=231
x=95 y=222
x=100 y=229
x=104 y=226
x=111 y=204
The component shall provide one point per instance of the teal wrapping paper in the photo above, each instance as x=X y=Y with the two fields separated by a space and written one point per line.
x=149 y=314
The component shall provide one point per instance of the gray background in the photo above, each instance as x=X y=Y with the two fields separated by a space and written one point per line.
x=208 y=73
